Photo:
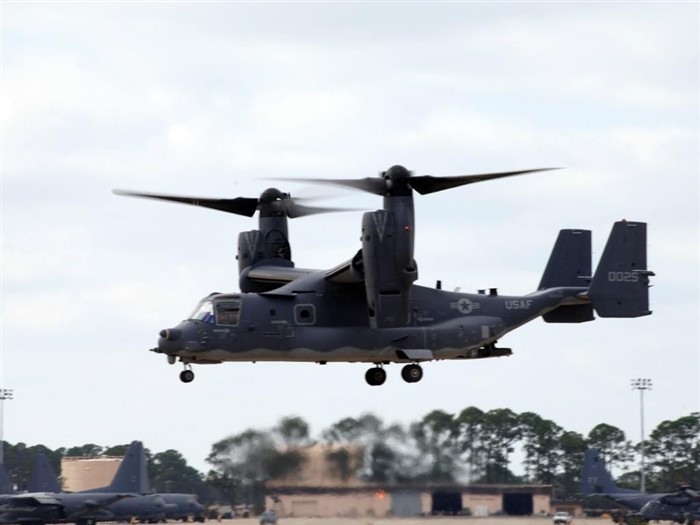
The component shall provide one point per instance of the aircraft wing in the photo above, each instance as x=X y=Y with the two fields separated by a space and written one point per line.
x=94 y=505
x=28 y=502
x=272 y=274
x=281 y=275
x=343 y=273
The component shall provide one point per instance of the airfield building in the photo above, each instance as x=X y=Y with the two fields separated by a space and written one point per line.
x=326 y=485
x=85 y=473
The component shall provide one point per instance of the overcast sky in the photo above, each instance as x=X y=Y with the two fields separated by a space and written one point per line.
x=210 y=99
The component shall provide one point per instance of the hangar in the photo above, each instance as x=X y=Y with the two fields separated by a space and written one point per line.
x=409 y=500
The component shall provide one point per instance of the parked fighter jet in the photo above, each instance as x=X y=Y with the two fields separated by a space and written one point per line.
x=369 y=310
x=680 y=506
x=39 y=507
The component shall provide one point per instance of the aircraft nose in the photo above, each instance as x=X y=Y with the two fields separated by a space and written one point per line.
x=169 y=341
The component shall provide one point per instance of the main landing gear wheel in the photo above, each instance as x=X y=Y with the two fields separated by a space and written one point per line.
x=375 y=376
x=412 y=373
x=187 y=376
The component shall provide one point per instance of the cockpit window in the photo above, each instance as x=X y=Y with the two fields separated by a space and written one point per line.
x=228 y=312
x=204 y=312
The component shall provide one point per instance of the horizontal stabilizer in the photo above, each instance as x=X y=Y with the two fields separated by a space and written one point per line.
x=620 y=286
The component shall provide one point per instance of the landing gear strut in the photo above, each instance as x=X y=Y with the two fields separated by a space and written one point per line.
x=412 y=373
x=187 y=375
x=375 y=376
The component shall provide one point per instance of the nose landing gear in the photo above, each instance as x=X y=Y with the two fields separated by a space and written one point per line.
x=187 y=375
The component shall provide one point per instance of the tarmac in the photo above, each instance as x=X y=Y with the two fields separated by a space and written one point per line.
x=433 y=520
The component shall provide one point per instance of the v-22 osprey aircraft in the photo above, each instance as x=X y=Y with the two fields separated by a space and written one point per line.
x=368 y=309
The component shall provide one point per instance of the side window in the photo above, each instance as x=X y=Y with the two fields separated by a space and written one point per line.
x=228 y=312
x=305 y=314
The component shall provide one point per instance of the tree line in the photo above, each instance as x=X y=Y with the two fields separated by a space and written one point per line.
x=472 y=446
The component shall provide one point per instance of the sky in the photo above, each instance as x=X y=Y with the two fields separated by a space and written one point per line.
x=215 y=98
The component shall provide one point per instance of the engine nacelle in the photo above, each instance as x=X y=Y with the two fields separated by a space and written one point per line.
x=389 y=268
x=254 y=247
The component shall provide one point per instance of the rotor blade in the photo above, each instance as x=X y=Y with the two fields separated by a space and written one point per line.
x=240 y=205
x=295 y=210
x=425 y=184
x=374 y=185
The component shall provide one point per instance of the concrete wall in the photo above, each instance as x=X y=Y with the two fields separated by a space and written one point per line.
x=483 y=504
x=331 y=505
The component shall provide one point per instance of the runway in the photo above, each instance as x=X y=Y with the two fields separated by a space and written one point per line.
x=492 y=520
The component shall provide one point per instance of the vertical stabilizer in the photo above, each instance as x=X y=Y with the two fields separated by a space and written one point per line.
x=6 y=486
x=620 y=286
x=43 y=478
x=132 y=475
x=570 y=261
x=595 y=478
x=569 y=265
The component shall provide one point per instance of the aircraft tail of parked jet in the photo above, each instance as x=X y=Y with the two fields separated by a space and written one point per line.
x=595 y=478
x=6 y=486
x=131 y=476
x=43 y=478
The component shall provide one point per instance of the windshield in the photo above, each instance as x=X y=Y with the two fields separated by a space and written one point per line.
x=204 y=312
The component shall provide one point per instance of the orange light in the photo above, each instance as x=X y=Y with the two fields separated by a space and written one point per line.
x=380 y=494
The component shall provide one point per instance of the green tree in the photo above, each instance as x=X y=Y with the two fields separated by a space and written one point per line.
x=469 y=428
x=385 y=454
x=541 y=439
x=293 y=431
x=500 y=431
x=436 y=437
x=171 y=473
x=89 y=450
x=240 y=463
x=610 y=441
x=673 y=450
x=572 y=446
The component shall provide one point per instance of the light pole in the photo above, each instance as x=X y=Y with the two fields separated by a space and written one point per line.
x=642 y=384
x=5 y=395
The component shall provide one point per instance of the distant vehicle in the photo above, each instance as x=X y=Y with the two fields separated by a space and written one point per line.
x=268 y=517
x=562 y=517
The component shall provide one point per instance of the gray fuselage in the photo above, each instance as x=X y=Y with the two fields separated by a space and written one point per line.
x=311 y=319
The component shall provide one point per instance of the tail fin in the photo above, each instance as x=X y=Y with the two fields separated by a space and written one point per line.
x=6 y=486
x=595 y=478
x=43 y=478
x=131 y=476
x=620 y=286
x=569 y=265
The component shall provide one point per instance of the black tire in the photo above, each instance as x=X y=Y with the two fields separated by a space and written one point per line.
x=412 y=373
x=187 y=376
x=375 y=376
